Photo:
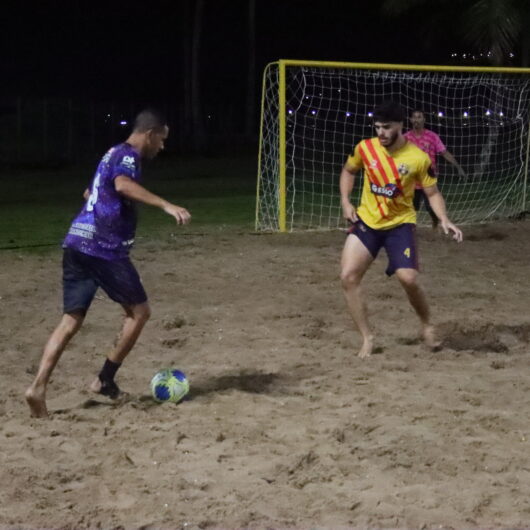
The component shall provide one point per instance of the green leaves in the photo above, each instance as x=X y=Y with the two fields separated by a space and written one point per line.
x=493 y=27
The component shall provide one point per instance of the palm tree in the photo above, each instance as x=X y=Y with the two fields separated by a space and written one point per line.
x=491 y=26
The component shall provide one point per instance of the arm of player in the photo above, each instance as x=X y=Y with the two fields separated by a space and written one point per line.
x=437 y=203
x=347 y=180
x=452 y=160
x=132 y=190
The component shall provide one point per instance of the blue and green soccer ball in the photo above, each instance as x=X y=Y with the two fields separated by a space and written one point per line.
x=169 y=385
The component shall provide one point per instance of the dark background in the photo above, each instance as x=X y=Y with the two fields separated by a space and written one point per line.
x=118 y=49
x=74 y=70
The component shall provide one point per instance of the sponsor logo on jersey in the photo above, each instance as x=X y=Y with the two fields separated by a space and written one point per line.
x=390 y=190
x=128 y=162
x=81 y=233
x=373 y=163
x=87 y=227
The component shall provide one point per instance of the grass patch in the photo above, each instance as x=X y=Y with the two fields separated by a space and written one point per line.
x=36 y=207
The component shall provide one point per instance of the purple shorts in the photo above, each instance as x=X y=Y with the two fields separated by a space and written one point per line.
x=399 y=243
x=83 y=274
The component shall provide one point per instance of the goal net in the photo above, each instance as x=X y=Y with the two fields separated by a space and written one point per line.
x=313 y=114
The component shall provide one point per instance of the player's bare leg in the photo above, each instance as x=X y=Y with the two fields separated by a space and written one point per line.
x=135 y=318
x=356 y=259
x=36 y=393
x=416 y=295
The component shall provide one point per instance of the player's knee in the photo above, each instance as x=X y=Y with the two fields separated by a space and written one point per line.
x=71 y=323
x=350 y=278
x=70 y=330
x=143 y=312
x=408 y=278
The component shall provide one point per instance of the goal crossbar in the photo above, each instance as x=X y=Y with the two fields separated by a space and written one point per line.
x=282 y=138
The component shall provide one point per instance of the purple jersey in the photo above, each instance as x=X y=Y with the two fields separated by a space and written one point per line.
x=106 y=225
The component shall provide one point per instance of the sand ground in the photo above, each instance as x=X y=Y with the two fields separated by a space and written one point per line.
x=285 y=427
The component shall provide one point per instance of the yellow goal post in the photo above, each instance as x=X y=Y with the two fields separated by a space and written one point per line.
x=313 y=113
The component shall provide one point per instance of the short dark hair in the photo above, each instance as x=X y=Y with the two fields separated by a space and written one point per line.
x=418 y=111
x=389 y=111
x=149 y=119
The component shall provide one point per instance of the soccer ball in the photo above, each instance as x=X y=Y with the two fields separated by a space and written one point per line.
x=169 y=385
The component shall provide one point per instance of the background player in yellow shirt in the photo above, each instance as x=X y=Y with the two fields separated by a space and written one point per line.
x=386 y=217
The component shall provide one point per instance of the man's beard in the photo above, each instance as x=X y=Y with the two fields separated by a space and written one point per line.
x=392 y=139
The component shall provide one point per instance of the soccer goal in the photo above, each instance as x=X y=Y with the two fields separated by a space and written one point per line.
x=313 y=113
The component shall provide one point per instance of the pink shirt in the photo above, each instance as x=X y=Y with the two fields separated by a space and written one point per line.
x=429 y=142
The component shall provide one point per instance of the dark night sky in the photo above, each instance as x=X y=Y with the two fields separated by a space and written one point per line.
x=118 y=49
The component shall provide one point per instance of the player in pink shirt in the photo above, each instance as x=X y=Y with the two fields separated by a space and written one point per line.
x=431 y=143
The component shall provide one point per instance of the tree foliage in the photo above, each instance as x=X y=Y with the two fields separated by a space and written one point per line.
x=493 y=27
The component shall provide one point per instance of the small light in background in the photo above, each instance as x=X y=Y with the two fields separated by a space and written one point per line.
x=440 y=114
x=123 y=122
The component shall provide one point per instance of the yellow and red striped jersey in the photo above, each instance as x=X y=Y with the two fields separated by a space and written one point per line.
x=389 y=182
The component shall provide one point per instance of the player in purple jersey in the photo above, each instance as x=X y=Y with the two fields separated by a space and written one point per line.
x=106 y=225
x=96 y=254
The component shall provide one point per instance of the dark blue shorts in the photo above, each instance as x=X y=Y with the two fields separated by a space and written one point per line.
x=399 y=243
x=83 y=274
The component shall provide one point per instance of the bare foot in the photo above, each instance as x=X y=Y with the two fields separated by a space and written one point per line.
x=36 y=401
x=366 y=348
x=429 y=337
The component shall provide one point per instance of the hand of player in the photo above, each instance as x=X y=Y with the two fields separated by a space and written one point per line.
x=462 y=173
x=181 y=215
x=348 y=212
x=457 y=234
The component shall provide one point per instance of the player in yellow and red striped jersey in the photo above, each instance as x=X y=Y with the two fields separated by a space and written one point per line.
x=386 y=217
